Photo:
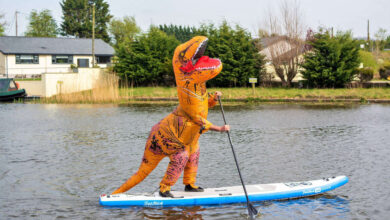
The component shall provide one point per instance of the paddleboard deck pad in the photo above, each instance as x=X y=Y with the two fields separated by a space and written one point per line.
x=228 y=195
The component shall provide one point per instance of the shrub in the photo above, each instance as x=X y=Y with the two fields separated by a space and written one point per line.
x=365 y=74
x=332 y=62
x=147 y=60
x=368 y=60
x=237 y=51
x=384 y=71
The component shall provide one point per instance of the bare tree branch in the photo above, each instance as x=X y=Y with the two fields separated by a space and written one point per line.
x=284 y=43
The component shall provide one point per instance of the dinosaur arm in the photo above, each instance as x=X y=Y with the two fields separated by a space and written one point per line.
x=212 y=101
x=202 y=122
x=195 y=117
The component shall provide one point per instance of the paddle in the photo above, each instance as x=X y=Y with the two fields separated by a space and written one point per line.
x=252 y=211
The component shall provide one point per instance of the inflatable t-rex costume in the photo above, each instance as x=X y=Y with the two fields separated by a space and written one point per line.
x=176 y=136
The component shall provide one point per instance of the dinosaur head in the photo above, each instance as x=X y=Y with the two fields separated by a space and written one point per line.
x=189 y=64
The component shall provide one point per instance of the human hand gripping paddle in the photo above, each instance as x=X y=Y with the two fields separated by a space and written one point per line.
x=252 y=211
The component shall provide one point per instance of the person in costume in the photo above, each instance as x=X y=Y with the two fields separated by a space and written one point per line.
x=176 y=136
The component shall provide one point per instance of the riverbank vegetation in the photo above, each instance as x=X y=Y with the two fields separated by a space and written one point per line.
x=341 y=63
x=264 y=93
x=169 y=94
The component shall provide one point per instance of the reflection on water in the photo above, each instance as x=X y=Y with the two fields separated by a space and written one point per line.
x=56 y=159
x=323 y=206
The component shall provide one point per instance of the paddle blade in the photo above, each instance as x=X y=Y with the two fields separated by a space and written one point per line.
x=252 y=211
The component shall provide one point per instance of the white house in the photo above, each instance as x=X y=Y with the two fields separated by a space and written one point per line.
x=29 y=56
x=280 y=49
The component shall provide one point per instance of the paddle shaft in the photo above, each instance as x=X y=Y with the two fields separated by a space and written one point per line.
x=235 y=159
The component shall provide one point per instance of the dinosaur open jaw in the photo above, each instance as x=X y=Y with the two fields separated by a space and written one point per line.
x=200 y=50
x=200 y=62
x=207 y=63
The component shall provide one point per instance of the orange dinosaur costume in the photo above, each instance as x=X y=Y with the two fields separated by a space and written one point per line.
x=176 y=136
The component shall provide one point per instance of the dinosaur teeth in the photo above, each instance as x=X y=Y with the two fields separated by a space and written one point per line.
x=207 y=68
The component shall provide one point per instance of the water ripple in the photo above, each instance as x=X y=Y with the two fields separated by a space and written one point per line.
x=64 y=156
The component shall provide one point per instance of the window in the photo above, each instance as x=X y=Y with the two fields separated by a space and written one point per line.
x=27 y=59
x=83 y=62
x=12 y=86
x=4 y=85
x=103 y=59
x=61 y=59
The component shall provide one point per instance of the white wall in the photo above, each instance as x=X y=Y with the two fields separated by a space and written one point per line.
x=2 y=63
x=14 y=69
x=85 y=79
x=45 y=65
x=33 y=88
x=269 y=68
x=56 y=83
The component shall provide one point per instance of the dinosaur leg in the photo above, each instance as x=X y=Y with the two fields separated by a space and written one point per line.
x=176 y=166
x=191 y=168
x=149 y=161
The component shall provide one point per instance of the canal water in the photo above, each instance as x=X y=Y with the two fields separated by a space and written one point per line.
x=55 y=160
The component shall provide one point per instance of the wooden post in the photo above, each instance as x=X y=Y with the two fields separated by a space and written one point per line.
x=253 y=81
x=16 y=23
x=93 y=35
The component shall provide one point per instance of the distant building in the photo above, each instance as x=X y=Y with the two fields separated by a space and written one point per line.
x=281 y=49
x=30 y=56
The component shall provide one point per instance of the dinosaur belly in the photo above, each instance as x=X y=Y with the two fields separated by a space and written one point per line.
x=177 y=133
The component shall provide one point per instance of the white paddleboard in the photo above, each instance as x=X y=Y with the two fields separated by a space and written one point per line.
x=228 y=195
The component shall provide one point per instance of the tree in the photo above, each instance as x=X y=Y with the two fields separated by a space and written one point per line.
x=148 y=59
x=124 y=30
x=42 y=24
x=237 y=51
x=332 y=62
x=2 y=24
x=183 y=34
x=286 y=30
x=380 y=40
x=77 y=18
x=387 y=42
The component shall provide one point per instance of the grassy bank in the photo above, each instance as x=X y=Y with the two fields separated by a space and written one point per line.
x=265 y=93
x=27 y=79
x=112 y=94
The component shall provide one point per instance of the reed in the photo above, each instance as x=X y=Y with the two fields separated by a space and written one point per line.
x=106 y=91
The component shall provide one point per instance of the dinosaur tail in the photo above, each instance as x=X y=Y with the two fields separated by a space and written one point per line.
x=149 y=162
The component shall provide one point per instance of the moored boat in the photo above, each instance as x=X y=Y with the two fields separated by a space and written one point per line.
x=9 y=90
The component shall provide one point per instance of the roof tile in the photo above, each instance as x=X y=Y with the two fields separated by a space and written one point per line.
x=45 y=45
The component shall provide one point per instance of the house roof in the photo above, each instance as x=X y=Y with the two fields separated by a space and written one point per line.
x=46 y=45
x=268 y=41
x=284 y=53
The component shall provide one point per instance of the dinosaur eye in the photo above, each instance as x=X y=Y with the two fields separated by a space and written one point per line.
x=182 y=54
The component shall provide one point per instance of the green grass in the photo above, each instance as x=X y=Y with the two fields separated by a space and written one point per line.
x=168 y=95
x=28 y=79
x=161 y=92
x=264 y=93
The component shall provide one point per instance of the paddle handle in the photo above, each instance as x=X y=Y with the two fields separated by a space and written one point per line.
x=235 y=159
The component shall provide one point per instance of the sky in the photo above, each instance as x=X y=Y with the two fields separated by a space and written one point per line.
x=250 y=14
